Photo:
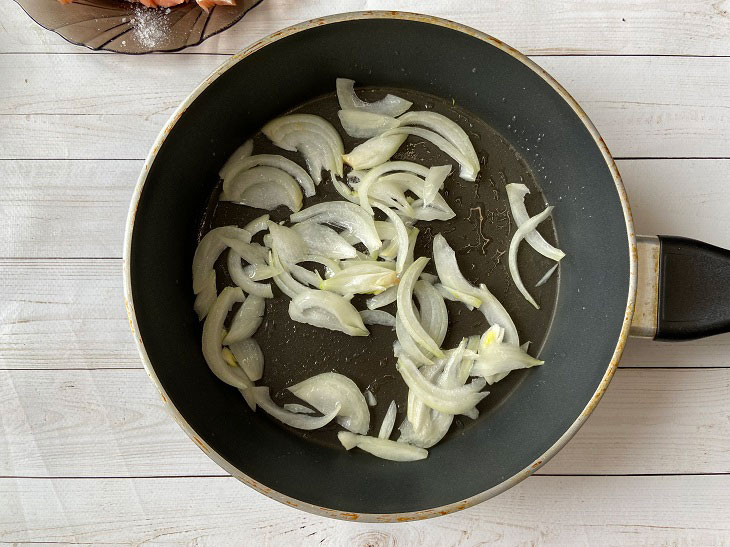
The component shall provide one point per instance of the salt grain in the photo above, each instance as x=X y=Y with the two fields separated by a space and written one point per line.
x=150 y=26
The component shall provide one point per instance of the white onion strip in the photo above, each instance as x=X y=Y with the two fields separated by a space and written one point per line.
x=390 y=105
x=242 y=279
x=401 y=237
x=382 y=448
x=434 y=315
x=323 y=240
x=327 y=310
x=299 y=421
x=206 y=298
x=363 y=125
x=449 y=401
x=373 y=152
x=548 y=275
x=329 y=390
x=386 y=297
x=526 y=228
x=386 y=428
x=516 y=194
x=377 y=317
x=271 y=160
x=434 y=182
x=406 y=309
x=364 y=277
x=234 y=159
x=263 y=188
x=208 y=251
x=213 y=337
x=249 y=357
x=247 y=320
x=257 y=225
x=468 y=171
x=343 y=215
x=298 y=409
x=371 y=176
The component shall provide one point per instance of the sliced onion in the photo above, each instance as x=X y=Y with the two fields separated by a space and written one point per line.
x=344 y=190
x=371 y=176
x=327 y=310
x=329 y=390
x=386 y=428
x=382 y=448
x=298 y=409
x=500 y=358
x=286 y=283
x=299 y=421
x=270 y=160
x=241 y=153
x=287 y=244
x=374 y=152
x=323 y=240
x=516 y=195
x=370 y=398
x=208 y=251
x=386 y=297
x=434 y=316
x=409 y=345
x=259 y=272
x=468 y=170
x=313 y=137
x=449 y=401
x=386 y=230
x=331 y=267
x=367 y=277
x=521 y=232
x=377 y=317
x=453 y=295
x=392 y=195
x=418 y=414
x=445 y=127
x=401 y=236
x=206 y=298
x=213 y=338
x=249 y=357
x=257 y=225
x=305 y=276
x=548 y=275
x=343 y=215
x=412 y=238
x=390 y=105
x=438 y=210
x=434 y=182
x=247 y=320
x=429 y=278
x=406 y=309
x=363 y=125
x=264 y=188
x=450 y=276
x=240 y=278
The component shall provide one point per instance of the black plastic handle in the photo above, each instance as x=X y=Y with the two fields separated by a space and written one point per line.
x=694 y=289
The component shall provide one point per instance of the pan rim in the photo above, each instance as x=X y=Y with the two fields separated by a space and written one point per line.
x=424 y=513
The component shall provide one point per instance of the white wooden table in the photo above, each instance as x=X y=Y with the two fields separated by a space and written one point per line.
x=88 y=453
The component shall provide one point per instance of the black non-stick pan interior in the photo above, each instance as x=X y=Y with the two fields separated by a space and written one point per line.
x=542 y=139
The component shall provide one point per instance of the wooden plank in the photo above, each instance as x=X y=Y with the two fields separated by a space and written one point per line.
x=64 y=314
x=643 y=106
x=650 y=421
x=535 y=27
x=85 y=203
x=221 y=511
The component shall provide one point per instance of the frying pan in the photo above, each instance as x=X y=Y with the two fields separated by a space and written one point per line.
x=580 y=336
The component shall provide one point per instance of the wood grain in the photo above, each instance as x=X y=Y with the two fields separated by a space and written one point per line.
x=643 y=106
x=696 y=27
x=221 y=511
x=112 y=423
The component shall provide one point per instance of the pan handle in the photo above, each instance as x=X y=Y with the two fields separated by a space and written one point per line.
x=683 y=289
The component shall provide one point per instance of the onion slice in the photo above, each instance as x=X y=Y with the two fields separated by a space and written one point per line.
x=371 y=176
x=243 y=280
x=406 y=309
x=548 y=275
x=299 y=421
x=313 y=137
x=323 y=240
x=386 y=428
x=263 y=188
x=450 y=276
x=213 y=338
x=382 y=448
x=287 y=244
x=366 y=277
x=249 y=357
x=298 y=409
x=516 y=194
x=390 y=105
x=401 y=237
x=496 y=359
x=434 y=315
x=445 y=127
x=270 y=160
x=363 y=125
x=343 y=215
x=377 y=317
x=206 y=298
x=447 y=400
x=374 y=152
x=370 y=398
x=327 y=310
x=247 y=320
x=234 y=160
x=434 y=182
x=209 y=249
x=468 y=170
x=521 y=232
x=329 y=390
x=257 y=225
x=383 y=299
